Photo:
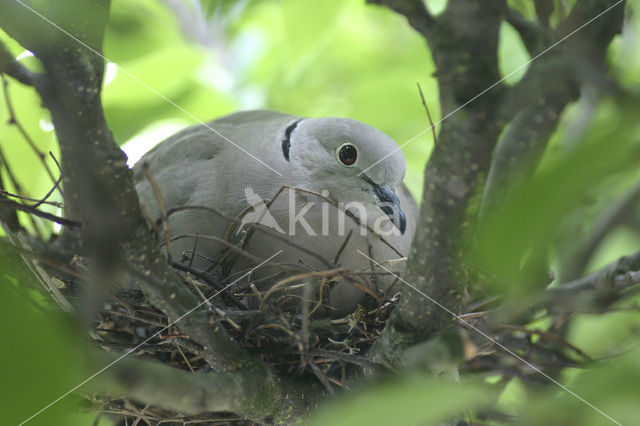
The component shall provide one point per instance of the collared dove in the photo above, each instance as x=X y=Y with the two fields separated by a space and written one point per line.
x=249 y=157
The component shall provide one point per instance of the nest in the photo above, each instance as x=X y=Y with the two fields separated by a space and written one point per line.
x=270 y=323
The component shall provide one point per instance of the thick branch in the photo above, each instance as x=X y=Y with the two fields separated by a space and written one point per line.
x=552 y=81
x=98 y=185
x=597 y=290
x=13 y=68
x=249 y=393
x=464 y=41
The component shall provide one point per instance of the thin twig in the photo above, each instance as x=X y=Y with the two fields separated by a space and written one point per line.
x=56 y=185
x=426 y=108
x=18 y=188
x=262 y=229
x=14 y=121
x=44 y=215
x=157 y=193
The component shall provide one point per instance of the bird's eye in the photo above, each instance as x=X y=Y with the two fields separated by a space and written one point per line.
x=347 y=154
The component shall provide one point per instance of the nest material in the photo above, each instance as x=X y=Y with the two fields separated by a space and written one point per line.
x=292 y=340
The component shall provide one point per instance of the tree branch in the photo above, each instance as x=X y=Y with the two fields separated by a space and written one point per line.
x=99 y=188
x=464 y=41
x=597 y=290
x=552 y=81
x=249 y=393
x=13 y=68
x=534 y=37
x=415 y=11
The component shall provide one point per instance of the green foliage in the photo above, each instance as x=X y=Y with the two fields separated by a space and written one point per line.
x=526 y=223
x=41 y=357
x=408 y=400
x=343 y=58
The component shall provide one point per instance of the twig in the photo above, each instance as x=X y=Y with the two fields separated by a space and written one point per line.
x=342 y=247
x=56 y=185
x=548 y=336
x=139 y=417
x=348 y=214
x=44 y=215
x=321 y=376
x=426 y=108
x=330 y=273
x=10 y=66
x=18 y=188
x=259 y=228
x=157 y=193
x=14 y=120
x=5 y=193
x=350 y=358
x=203 y=275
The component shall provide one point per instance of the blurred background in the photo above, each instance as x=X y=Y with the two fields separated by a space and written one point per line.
x=172 y=63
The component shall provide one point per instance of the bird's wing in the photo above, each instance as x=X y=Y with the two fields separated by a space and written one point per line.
x=197 y=163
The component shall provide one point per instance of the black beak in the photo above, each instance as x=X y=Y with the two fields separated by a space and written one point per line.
x=390 y=204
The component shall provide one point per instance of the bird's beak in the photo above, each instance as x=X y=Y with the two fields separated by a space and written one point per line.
x=390 y=204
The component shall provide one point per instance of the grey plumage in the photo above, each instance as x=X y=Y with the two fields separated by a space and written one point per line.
x=199 y=167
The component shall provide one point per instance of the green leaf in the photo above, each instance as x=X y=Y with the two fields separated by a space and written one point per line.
x=409 y=400
x=40 y=359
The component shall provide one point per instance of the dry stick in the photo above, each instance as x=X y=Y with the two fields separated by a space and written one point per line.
x=321 y=376
x=426 y=108
x=227 y=258
x=548 y=336
x=18 y=188
x=330 y=273
x=56 y=184
x=193 y=250
x=21 y=245
x=342 y=247
x=334 y=204
x=308 y=286
x=5 y=193
x=264 y=230
x=141 y=413
x=323 y=283
x=348 y=214
x=13 y=120
x=229 y=245
x=183 y=357
x=212 y=308
x=41 y=214
x=353 y=359
x=208 y=280
x=157 y=194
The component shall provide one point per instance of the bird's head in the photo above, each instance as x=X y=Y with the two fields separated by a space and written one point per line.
x=355 y=162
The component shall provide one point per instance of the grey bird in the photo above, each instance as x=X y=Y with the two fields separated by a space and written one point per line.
x=350 y=163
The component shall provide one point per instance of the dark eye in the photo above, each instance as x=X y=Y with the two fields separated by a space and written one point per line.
x=348 y=154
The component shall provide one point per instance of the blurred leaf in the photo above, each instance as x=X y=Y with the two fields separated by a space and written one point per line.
x=410 y=400
x=40 y=360
x=601 y=336
x=533 y=214
x=611 y=388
